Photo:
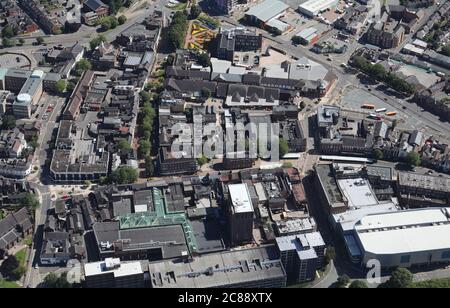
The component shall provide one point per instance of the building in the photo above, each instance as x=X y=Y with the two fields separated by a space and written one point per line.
x=29 y=95
x=308 y=36
x=94 y=10
x=50 y=24
x=416 y=237
x=237 y=40
x=55 y=248
x=240 y=214
x=313 y=8
x=226 y=6
x=112 y=273
x=418 y=190
x=246 y=268
x=13 y=228
x=301 y=255
x=265 y=11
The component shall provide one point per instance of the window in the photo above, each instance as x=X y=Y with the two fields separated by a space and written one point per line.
x=405 y=259
x=446 y=254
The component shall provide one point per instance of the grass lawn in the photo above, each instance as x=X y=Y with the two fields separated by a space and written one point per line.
x=21 y=255
x=5 y=284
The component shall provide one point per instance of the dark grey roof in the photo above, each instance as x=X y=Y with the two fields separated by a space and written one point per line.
x=94 y=4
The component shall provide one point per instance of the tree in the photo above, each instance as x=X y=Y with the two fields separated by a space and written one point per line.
x=342 y=281
x=145 y=96
x=6 y=42
x=413 y=158
x=284 y=147
x=40 y=40
x=9 y=266
x=203 y=59
x=177 y=29
x=378 y=154
x=149 y=167
x=400 y=278
x=195 y=12
x=446 y=50
x=56 y=282
x=144 y=147
x=122 y=19
x=21 y=41
x=7 y=32
x=97 y=41
x=358 y=284
x=124 y=175
x=124 y=145
x=330 y=255
x=60 y=86
x=202 y=160
x=70 y=87
x=30 y=201
x=9 y=122
x=206 y=93
x=82 y=65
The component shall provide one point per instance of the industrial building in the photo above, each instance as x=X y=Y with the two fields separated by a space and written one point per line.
x=405 y=238
x=301 y=255
x=308 y=36
x=112 y=273
x=313 y=8
x=246 y=268
x=262 y=13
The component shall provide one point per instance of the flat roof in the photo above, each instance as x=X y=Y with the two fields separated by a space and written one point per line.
x=316 y=6
x=240 y=198
x=407 y=231
x=422 y=181
x=120 y=269
x=358 y=192
x=219 y=269
x=267 y=10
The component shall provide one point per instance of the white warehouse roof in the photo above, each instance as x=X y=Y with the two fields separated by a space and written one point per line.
x=405 y=232
x=267 y=10
x=313 y=7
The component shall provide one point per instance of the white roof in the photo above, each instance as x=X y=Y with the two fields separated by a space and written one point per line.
x=122 y=268
x=240 y=198
x=267 y=10
x=420 y=43
x=139 y=208
x=315 y=6
x=407 y=231
x=358 y=192
x=414 y=49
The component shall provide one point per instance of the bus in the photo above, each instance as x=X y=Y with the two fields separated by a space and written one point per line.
x=374 y=116
x=380 y=110
x=368 y=106
x=391 y=113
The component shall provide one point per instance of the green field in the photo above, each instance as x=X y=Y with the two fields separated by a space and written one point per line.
x=21 y=255
x=5 y=284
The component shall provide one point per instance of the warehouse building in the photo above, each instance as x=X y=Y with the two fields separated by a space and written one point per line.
x=416 y=237
x=262 y=13
x=313 y=8
x=308 y=36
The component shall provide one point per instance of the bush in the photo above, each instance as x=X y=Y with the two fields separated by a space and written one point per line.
x=400 y=278
x=97 y=41
x=122 y=19
x=358 y=284
x=342 y=281
x=284 y=147
x=60 y=86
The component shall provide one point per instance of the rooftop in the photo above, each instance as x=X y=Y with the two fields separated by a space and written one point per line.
x=112 y=265
x=240 y=198
x=267 y=10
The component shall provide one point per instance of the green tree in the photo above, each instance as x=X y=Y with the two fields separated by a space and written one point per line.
x=400 y=278
x=203 y=59
x=70 y=86
x=358 y=284
x=124 y=145
x=40 y=40
x=9 y=266
x=149 y=167
x=60 y=86
x=202 y=160
x=30 y=201
x=413 y=158
x=122 y=19
x=446 y=50
x=56 y=282
x=8 y=32
x=284 y=147
x=195 y=12
x=330 y=255
x=342 y=281
x=97 y=41
x=124 y=175
x=21 y=41
x=82 y=65
x=177 y=29
x=9 y=122
x=378 y=154
x=144 y=147
x=145 y=96
x=6 y=42
x=206 y=93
